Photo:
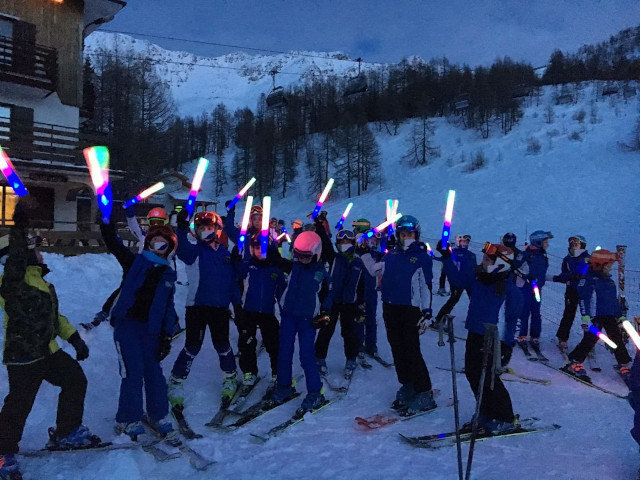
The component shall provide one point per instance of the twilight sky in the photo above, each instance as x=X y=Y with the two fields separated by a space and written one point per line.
x=465 y=31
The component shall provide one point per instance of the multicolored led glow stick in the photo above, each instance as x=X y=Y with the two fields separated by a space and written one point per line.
x=144 y=194
x=9 y=172
x=203 y=164
x=286 y=235
x=97 y=159
x=602 y=336
x=393 y=209
x=429 y=249
x=633 y=334
x=536 y=290
x=344 y=215
x=264 y=237
x=323 y=197
x=241 y=193
x=245 y=223
x=382 y=226
x=448 y=215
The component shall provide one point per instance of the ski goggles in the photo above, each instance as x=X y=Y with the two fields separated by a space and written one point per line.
x=345 y=234
x=157 y=222
x=466 y=237
x=158 y=246
x=305 y=256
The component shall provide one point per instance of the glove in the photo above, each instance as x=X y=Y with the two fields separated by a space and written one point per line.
x=321 y=320
x=226 y=206
x=130 y=212
x=164 y=347
x=505 y=354
x=427 y=313
x=82 y=351
x=423 y=322
x=586 y=320
x=443 y=251
x=361 y=313
x=182 y=219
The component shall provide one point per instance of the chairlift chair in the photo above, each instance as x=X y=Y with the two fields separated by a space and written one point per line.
x=357 y=84
x=276 y=98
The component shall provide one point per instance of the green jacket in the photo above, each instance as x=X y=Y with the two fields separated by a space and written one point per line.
x=30 y=305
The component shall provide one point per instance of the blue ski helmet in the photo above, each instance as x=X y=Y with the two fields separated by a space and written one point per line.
x=583 y=241
x=538 y=237
x=407 y=223
x=509 y=240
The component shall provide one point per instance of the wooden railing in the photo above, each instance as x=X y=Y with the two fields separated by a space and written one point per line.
x=28 y=64
x=43 y=141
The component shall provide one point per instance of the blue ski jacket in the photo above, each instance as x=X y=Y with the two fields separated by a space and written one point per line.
x=211 y=274
x=465 y=261
x=574 y=267
x=606 y=298
x=538 y=263
x=346 y=272
x=300 y=298
x=233 y=232
x=264 y=284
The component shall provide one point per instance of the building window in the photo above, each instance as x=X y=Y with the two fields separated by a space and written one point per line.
x=8 y=201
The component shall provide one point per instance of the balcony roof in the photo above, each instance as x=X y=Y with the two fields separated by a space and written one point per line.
x=97 y=12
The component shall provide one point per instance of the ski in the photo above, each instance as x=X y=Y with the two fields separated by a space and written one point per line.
x=448 y=439
x=241 y=398
x=341 y=389
x=362 y=361
x=536 y=349
x=527 y=353
x=593 y=362
x=252 y=413
x=518 y=378
x=101 y=447
x=183 y=426
x=541 y=381
x=585 y=382
x=223 y=411
x=294 y=420
x=380 y=360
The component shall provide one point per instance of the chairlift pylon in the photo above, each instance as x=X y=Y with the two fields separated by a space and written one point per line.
x=357 y=84
x=276 y=98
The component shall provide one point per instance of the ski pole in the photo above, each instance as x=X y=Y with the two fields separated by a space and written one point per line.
x=489 y=335
x=456 y=411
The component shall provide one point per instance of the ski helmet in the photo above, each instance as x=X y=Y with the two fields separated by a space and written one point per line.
x=306 y=246
x=502 y=257
x=158 y=216
x=509 y=239
x=255 y=246
x=361 y=225
x=296 y=224
x=256 y=210
x=407 y=223
x=167 y=233
x=538 y=237
x=600 y=258
x=581 y=239
x=461 y=238
x=207 y=219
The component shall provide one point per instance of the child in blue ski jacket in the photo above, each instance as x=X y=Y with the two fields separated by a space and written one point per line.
x=212 y=288
x=406 y=306
x=264 y=284
x=489 y=289
x=537 y=263
x=144 y=321
x=301 y=313
x=607 y=315
x=634 y=396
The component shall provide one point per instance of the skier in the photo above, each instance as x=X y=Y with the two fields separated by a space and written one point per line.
x=406 y=299
x=607 y=315
x=143 y=318
x=233 y=232
x=537 y=262
x=634 y=396
x=367 y=324
x=574 y=267
x=466 y=262
x=301 y=314
x=31 y=354
x=264 y=285
x=489 y=287
x=212 y=287
x=346 y=273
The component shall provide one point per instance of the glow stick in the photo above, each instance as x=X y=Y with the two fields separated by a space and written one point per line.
x=344 y=215
x=286 y=235
x=633 y=334
x=382 y=226
x=264 y=243
x=394 y=209
x=429 y=249
x=323 y=197
x=203 y=164
x=241 y=193
x=245 y=223
x=97 y=159
x=536 y=290
x=448 y=215
x=144 y=194
x=602 y=336
x=9 y=172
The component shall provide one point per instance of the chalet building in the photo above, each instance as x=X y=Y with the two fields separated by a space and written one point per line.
x=41 y=44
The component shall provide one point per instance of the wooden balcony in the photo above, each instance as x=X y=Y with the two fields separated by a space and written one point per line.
x=45 y=143
x=28 y=64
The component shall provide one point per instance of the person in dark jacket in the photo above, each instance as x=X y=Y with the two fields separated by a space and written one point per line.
x=264 y=285
x=634 y=396
x=144 y=322
x=233 y=232
x=574 y=267
x=608 y=315
x=489 y=288
x=32 y=323
x=406 y=307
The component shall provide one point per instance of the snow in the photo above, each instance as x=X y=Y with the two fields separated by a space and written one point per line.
x=585 y=186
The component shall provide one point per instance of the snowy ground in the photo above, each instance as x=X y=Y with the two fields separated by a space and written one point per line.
x=593 y=443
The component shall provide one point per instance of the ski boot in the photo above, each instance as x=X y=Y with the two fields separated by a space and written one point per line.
x=403 y=397
x=9 y=469
x=623 y=371
x=312 y=401
x=522 y=341
x=248 y=382
x=80 y=438
x=176 y=391
x=229 y=388
x=322 y=367
x=563 y=346
x=421 y=402
x=349 y=368
x=164 y=428
x=442 y=292
x=280 y=395
x=577 y=370
x=498 y=427
x=97 y=320
x=132 y=429
x=271 y=388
